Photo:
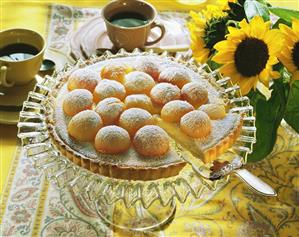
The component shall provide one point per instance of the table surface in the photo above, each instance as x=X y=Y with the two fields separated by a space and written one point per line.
x=15 y=14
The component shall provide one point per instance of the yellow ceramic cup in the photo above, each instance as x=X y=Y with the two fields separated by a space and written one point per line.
x=13 y=72
x=131 y=37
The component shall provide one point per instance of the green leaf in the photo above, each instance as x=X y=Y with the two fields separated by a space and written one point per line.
x=213 y=65
x=285 y=14
x=264 y=2
x=236 y=10
x=292 y=110
x=268 y=117
x=254 y=8
x=280 y=21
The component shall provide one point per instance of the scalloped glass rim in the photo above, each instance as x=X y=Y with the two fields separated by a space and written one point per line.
x=32 y=129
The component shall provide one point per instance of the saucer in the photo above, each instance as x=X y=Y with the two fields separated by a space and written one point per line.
x=92 y=35
x=8 y=117
x=12 y=101
x=13 y=97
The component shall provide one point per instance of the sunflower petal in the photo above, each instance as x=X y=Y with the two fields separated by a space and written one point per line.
x=272 y=60
x=228 y=69
x=287 y=62
x=237 y=36
x=257 y=20
x=224 y=45
x=265 y=77
x=275 y=74
x=274 y=41
x=289 y=43
x=243 y=24
x=235 y=77
x=224 y=57
x=232 y=30
x=288 y=32
x=284 y=28
x=247 y=83
x=295 y=26
x=235 y=33
x=295 y=75
x=258 y=27
x=201 y=56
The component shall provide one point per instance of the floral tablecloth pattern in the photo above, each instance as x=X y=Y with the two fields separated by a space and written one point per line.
x=33 y=207
x=30 y=206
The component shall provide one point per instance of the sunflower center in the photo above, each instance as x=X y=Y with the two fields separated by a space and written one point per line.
x=295 y=55
x=251 y=57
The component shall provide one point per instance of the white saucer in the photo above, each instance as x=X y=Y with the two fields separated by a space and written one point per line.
x=92 y=34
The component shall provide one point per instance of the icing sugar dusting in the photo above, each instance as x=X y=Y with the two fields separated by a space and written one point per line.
x=175 y=75
x=165 y=92
x=76 y=101
x=83 y=79
x=131 y=157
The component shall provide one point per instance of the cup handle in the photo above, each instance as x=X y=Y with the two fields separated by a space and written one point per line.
x=3 y=81
x=162 y=28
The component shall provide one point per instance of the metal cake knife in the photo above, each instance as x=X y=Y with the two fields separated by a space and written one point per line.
x=235 y=167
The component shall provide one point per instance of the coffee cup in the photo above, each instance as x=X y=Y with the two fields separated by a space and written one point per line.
x=21 y=55
x=129 y=23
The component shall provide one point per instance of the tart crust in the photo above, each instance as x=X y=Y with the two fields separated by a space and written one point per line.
x=119 y=171
x=115 y=170
x=193 y=145
x=123 y=171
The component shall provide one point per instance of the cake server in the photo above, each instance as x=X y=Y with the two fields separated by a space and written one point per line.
x=234 y=167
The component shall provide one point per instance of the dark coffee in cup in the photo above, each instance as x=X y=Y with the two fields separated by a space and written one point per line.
x=18 y=51
x=129 y=23
x=21 y=55
x=128 y=19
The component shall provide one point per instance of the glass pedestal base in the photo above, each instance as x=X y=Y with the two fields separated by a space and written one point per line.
x=137 y=218
x=132 y=215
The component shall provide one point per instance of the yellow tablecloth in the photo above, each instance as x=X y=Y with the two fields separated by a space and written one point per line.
x=33 y=14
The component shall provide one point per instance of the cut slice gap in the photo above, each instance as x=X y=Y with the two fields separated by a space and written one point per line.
x=223 y=135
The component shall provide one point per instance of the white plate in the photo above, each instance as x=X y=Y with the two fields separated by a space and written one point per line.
x=93 y=35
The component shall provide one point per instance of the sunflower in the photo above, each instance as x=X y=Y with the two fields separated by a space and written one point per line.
x=290 y=53
x=248 y=53
x=225 y=3
x=213 y=11
x=206 y=29
x=197 y=32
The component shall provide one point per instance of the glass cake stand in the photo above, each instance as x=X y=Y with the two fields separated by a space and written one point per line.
x=139 y=205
